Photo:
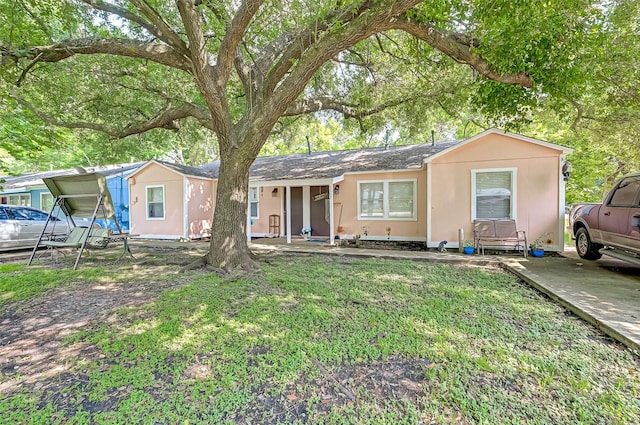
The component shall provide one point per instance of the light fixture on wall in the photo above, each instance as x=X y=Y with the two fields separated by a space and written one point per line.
x=274 y=192
x=566 y=170
x=336 y=189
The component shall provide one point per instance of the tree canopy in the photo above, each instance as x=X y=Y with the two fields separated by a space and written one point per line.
x=137 y=75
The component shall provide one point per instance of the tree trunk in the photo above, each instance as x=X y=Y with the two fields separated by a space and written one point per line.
x=229 y=249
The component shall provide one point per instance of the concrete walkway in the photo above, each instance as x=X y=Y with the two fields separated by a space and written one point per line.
x=605 y=293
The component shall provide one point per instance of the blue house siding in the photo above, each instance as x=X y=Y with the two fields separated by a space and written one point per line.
x=116 y=182
x=119 y=188
x=36 y=200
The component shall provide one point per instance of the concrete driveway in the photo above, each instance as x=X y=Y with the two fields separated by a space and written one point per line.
x=606 y=292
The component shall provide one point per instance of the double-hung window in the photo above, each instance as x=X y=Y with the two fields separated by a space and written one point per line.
x=46 y=201
x=155 y=202
x=21 y=200
x=254 y=202
x=387 y=199
x=493 y=193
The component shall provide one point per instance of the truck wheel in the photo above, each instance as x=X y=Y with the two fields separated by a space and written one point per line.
x=586 y=249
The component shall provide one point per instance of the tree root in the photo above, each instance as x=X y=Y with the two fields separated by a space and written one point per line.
x=198 y=263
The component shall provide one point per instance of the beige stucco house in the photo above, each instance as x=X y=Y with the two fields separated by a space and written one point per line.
x=420 y=192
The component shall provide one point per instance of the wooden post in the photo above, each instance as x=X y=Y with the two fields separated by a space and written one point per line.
x=460 y=240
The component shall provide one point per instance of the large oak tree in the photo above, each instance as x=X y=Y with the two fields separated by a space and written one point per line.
x=237 y=67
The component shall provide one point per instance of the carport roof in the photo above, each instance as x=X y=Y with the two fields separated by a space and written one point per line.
x=35 y=179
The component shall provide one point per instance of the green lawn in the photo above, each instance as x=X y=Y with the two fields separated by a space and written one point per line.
x=328 y=340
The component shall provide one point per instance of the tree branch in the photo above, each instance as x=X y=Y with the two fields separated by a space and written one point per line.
x=244 y=72
x=211 y=86
x=155 y=52
x=233 y=36
x=368 y=22
x=163 y=31
x=349 y=110
x=457 y=47
x=164 y=119
x=158 y=28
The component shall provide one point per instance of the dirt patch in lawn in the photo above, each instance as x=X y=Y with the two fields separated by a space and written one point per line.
x=32 y=332
x=34 y=357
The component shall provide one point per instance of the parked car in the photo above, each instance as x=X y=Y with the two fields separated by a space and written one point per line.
x=20 y=227
x=611 y=227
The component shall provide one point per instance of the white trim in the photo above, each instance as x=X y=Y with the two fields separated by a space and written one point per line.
x=46 y=194
x=561 y=206
x=185 y=208
x=306 y=206
x=153 y=236
x=139 y=169
x=563 y=149
x=514 y=188
x=291 y=182
x=258 y=195
x=146 y=202
x=22 y=189
x=9 y=195
x=386 y=238
x=382 y=171
x=282 y=210
x=385 y=200
x=288 y=209
x=328 y=181
x=331 y=218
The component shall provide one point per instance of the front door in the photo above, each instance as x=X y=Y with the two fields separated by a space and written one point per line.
x=320 y=210
x=296 y=211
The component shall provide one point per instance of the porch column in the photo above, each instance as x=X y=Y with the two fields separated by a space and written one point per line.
x=288 y=210
x=331 y=220
x=185 y=210
x=306 y=206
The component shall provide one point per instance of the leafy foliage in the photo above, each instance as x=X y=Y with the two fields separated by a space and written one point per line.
x=205 y=79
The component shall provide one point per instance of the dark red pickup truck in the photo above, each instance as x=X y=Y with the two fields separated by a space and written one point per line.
x=612 y=227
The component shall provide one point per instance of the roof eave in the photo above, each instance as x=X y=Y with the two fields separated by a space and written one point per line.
x=563 y=149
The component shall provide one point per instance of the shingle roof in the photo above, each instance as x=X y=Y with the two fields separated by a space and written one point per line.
x=320 y=165
x=32 y=179
x=186 y=170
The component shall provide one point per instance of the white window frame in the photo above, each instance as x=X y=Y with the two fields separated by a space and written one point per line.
x=385 y=200
x=42 y=196
x=514 y=189
x=257 y=202
x=164 y=201
x=27 y=196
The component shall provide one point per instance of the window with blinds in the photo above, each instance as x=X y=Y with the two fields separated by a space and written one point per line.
x=388 y=199
x=254 y=202
x=493 y=194
x=372 y=200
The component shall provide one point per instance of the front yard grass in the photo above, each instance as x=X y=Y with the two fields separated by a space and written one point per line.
x=329 y=340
